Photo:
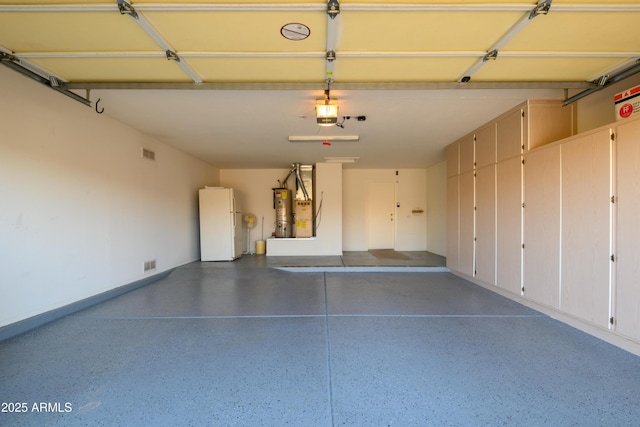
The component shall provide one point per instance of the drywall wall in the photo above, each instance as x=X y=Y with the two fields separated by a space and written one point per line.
x=328 y=238
x=410 y=193
x=255 y=187
x=82 y=210
x=437 y=209
x=598 y=109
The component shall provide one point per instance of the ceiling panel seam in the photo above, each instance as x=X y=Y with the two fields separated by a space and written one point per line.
x=335 y=85
x=159 y=7
x=319 y=54
x=343 y=54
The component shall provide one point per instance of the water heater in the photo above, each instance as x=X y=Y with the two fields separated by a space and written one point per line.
x=282 y=204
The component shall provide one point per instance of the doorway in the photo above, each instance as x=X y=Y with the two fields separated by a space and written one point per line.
x=380 y=215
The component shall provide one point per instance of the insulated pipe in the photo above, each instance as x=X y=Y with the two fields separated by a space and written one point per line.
x=295 y=169
x=300 y=182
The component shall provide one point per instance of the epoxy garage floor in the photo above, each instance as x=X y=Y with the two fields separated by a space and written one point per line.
x=244 y=344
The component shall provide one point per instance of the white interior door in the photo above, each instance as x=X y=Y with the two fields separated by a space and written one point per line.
x=380 y=215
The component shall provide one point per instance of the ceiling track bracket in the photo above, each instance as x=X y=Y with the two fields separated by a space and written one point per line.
x=127 y=9
x=490 y=56
x=7 y=57
x=542 y=8
x=172 y=56
x=333 y=8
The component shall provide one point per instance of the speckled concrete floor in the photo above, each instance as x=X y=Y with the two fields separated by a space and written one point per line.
x=240 y=344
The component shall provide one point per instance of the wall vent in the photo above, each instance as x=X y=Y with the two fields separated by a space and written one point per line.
x=150 y=265
x=148 y=154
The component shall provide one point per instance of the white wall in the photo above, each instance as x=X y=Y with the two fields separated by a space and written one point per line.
x=256 y=187
x=410 y=192
x=598 y=109
x=437 y=209
x=415 y=189
x=256 y=190
x=81 y=209
x=328 y=239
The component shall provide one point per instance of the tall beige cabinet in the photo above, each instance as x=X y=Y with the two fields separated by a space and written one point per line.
x=485 y=203
x=510 y=141
x=626 y=307
x=541 y=244
x=586 y=226
x=488 y=186
x=551 y=218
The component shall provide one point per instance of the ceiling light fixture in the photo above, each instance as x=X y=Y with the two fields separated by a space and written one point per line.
x=320 y=138
x=327 y=113
x=326 y=110
x=341 y=159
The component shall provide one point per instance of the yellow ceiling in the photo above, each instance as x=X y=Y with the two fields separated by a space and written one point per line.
x=375 y=41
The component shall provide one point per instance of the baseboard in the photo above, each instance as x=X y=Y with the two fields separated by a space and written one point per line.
x=22 y=326
x=606 y=335
x=364 y=269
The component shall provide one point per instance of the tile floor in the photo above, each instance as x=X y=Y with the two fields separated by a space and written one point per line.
x=246 y=344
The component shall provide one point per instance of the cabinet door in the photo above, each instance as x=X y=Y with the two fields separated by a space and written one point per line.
x=542 y=226
x=509 y=225
x=627 y=304
x=586 y=227
x=467 y=154
x=485 y=269
x=453 y=216
x=452 y=160
x=486 y=146
x=547 y=122
x=509 y=135
x=466 y=249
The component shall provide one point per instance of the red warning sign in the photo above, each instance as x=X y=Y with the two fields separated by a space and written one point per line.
x=627 y=103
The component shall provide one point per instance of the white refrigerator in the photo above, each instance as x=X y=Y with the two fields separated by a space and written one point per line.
x=220 y=224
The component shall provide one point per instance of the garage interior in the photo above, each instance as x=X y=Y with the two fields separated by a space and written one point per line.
x=107 y=306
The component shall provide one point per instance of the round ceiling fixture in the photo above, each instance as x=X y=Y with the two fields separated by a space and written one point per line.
x=295 y=31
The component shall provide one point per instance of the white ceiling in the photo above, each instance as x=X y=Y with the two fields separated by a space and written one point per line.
x=250 y=129
x=234 y=88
